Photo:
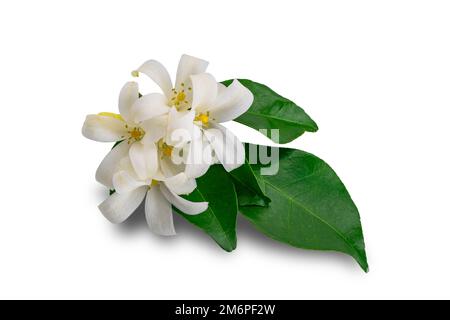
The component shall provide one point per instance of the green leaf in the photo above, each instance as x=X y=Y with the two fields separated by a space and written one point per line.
x=310 y=207
x=248 y=187
x=272 y=111
x=219 y=221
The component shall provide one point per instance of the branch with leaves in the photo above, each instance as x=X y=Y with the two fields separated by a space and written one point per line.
x=172 y=152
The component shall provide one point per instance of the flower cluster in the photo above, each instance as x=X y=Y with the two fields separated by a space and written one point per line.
x=166 y=140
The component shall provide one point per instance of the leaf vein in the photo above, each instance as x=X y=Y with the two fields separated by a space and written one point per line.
x=227 y=236
x=342 y=236
x=262 y=115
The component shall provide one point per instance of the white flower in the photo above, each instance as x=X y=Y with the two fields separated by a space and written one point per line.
x=180 y=94
x=159 y=192
x=133 y=126
x=214 y=103
x=199 y=105
x=155 y=130
x=179 y=119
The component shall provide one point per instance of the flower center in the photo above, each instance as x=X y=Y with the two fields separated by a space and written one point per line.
x=179 y=97
x=135 y=133
x=203 y=118
x=165 y=148
x=154 y=183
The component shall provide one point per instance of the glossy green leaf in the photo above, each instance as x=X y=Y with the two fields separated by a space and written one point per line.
x=272 y=111
x=219 y=221
x=248 y=188
x=310 y=207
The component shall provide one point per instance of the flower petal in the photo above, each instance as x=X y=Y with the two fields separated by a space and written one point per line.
x=168 y=168
x=149 y=106
x=188 y=66
x=124 y=182
x=104 y=128
x=107 y=167
x=155 y=129
x=180 y=184
x=144 y=159
x=204 y=88
x=158 y=73
x=118 y=207
x=199 y=155
x=231 y=102
x=227 y=147
x=158 y=212
x=128 y=95
x=179 y=127
x=185 y=206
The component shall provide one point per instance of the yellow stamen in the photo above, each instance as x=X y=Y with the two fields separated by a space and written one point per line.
x=111 y=115
x=135 y=73
x=165 y=148
x=154 y=183
x=181 y=96
x=203 y=118
x=136 y=134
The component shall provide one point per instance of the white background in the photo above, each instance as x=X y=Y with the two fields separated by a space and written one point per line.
x=375 y=75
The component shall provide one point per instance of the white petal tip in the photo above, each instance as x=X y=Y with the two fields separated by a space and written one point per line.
x=166 y=234
x=230 y=168
x=200 y=207
x=109 y=214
